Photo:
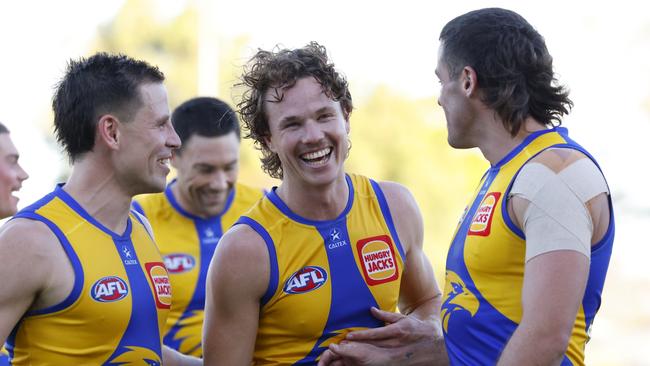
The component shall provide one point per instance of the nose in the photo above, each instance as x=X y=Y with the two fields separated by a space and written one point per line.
x=173 y=140
x=313 y=132
x=22 y=174
x=219 y=181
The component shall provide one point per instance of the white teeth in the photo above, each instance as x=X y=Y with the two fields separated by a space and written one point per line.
x=165 y=161
x=317 y=154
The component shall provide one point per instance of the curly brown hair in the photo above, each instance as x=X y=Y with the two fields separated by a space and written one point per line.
x=280 y=69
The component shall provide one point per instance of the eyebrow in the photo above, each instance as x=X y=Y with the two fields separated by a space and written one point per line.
x=325 y=109
x=164 y=119
x=12 y=157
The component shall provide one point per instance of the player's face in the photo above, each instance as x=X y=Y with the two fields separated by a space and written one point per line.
x=207 y=172
x=309 y=132
x=455 y=104
x=11 y=176
x=148 y=141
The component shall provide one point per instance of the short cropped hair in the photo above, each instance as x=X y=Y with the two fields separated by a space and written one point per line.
x=204 y=116
x=94 y=86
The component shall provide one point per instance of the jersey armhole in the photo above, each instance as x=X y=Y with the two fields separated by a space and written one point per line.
x=388 y=218
x=273 y=259
x=72 y=257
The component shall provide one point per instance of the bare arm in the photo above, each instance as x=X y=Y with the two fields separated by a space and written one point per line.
x=237 y=280
x=553 y=287
x=555 y=280
x=33 y=250
x=415 y=336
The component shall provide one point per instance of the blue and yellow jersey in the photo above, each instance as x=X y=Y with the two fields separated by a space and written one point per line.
x=187 y=243
x=485 y=267
x=117 y=308
x=325 y=275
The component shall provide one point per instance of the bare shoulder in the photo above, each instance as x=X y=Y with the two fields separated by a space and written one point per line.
x=242 y=241
x=27 y=238
x=34 y=251
x=242 y=257
x=399 y=198
x=405 y=213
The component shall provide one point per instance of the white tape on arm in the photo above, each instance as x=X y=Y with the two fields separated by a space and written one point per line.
x=557 y=218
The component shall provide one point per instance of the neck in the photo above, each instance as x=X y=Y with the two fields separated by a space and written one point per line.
x=497 y=142
x=99 y=193
x=317 y=203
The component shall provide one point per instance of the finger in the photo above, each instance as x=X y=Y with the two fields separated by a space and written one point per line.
x=349 y=350
x=328 y=358
x=386 y=316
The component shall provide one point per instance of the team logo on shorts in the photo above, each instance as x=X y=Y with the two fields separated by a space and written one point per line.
x=482 y=220
x=307 y=279
x=377 y=257
x=179 y=262
x=109 y=289
x=160 y=282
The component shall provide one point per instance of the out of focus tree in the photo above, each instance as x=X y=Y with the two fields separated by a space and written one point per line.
x=403 y=140
x=393 y=137
x=172 y=44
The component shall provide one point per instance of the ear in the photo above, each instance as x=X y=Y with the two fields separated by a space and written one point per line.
x=108 y=131
x=469 y=80
x=269 y=143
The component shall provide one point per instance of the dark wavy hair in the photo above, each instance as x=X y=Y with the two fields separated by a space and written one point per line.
x=91 y=87
x=280 y=69
x=512 y=64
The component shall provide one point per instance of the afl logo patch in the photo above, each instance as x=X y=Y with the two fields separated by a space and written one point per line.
x=179 y=262
x=482 y=220
x=377 y=257
x=109 y=289
x=305 y=280
x=160 y=283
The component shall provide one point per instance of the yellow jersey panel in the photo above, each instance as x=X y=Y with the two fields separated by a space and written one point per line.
x=119 y=303
x=485 y=266
x=187 y=243
x=325 y=275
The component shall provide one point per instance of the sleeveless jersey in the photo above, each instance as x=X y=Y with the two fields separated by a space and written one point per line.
x=117 y=308
x=187 y=243
x=325 y=275
x=485 y=266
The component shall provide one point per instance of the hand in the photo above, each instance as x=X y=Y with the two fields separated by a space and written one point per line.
x=400 y=330
x=405 y=340
x=355 y=354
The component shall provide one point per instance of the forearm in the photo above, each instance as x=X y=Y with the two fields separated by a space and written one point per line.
x=427 y=310
x=429 y=349
x=530 y=347
x=172 y=357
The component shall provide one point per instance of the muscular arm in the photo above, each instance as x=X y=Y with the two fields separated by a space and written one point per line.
x=553 y=286
x=27 y=273
x=415 y=336
x=555 y=280
x=237 y=280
